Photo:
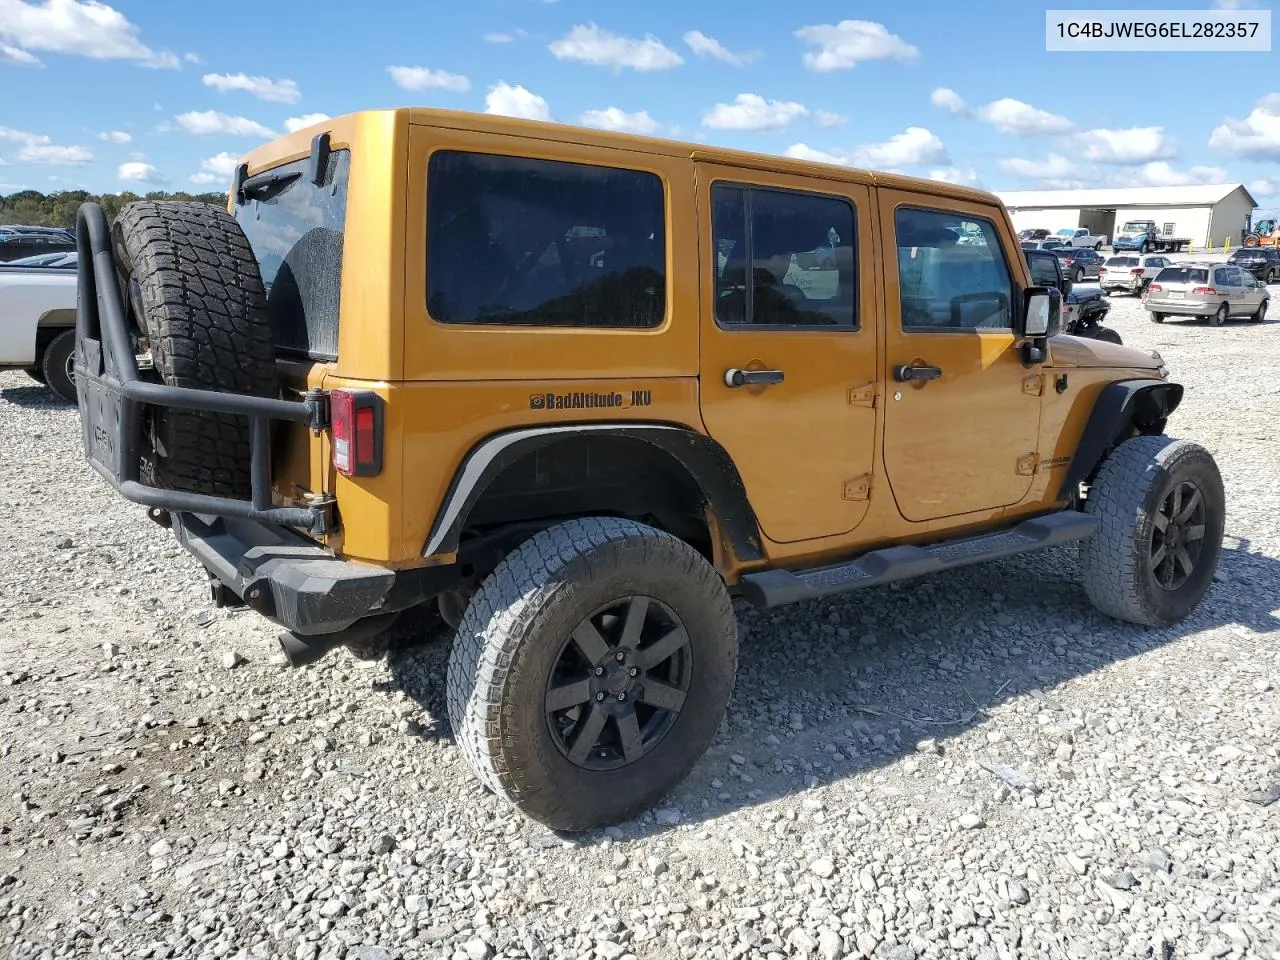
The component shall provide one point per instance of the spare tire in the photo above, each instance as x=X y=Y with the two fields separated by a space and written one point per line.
x=192 y=285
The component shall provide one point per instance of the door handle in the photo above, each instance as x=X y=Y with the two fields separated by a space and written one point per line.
x=733 y=377
x=907 y=372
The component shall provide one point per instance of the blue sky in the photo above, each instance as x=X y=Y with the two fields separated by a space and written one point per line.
x=147 y=95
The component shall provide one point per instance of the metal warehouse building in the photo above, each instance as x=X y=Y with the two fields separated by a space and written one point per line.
x=1208 y=215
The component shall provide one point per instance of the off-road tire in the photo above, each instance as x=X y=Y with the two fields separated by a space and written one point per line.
x=1220 y=316
x=55 y=366
x=192 y=283
x=513 y=632
x=1107 y=334
x=1260 y=314
x=1132 y=483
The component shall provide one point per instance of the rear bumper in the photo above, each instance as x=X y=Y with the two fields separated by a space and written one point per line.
x=1190 y=308
x=282 y=575
x=1133 y=284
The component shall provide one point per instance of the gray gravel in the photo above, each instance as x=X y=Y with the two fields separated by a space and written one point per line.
x=975 y=765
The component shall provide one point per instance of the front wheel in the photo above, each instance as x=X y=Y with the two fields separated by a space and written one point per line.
x=1107 y=334
x=1261 y=313
x=1161 y=511
x=591 y=671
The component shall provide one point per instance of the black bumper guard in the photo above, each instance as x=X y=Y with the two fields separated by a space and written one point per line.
x=111 y=397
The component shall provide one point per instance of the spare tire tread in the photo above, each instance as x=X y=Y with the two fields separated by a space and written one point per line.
x=203 y=310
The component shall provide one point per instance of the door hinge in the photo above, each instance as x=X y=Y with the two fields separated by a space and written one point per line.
x=1027 y=464
x=1033 y=385
x=859 y=488
x=863 y=396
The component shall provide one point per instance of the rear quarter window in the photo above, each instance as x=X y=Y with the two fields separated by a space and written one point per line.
x=526 y=242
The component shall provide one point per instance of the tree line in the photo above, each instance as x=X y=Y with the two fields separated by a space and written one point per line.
x=31 y=208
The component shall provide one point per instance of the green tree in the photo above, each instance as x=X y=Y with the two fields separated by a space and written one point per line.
x=32 y=208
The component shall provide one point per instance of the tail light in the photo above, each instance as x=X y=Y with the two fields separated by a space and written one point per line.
x=1154 y=288
x=1102 y=270
x=1136 y=271
x=355 y=420
x=1207 y=291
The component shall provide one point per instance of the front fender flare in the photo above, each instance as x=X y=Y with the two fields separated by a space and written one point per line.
x=706 y=461
x=1120 y=408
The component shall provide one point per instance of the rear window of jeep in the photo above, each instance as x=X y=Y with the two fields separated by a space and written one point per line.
x=519 y=241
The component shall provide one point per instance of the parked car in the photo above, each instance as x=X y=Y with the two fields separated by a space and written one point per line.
x=1131 y=271
x=1053 y=243
x=1218 y=291
x=1079 y=264
x=38 y=325
x=17 y=242
x=1262 y=262
x=1033 y=234
x=60 y=261
x=1082 y=310
x=1080 y=237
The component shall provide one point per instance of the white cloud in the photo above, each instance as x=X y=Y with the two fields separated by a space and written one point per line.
x=965 y=176
x=220 y=164
x=1257 y=136
x=944 y=98
x=849 y=42
x=825 y=118
x=587 y=43
x=20 y=58
x=115 y=136
x=192 y=58
x=705 y=46
x=88 y=29
x=1263 y=188
x=21 y=136
x=264 y=88
x=424 y=78
x=1131 y=146
x=50 y=153
x=294 y=124
x=802 y=151
x=205 y=179
x=1020 y=119
x=750 y=111
x=206 y=122
x=1234 y=4
x=1055 y=171
x=1159 y=173
x=915 y=146
x=507 y=37
x=505 y=100
x=137 y=172
x=612 y=118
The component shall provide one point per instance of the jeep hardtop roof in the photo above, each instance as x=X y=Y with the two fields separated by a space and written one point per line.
x=296 y=144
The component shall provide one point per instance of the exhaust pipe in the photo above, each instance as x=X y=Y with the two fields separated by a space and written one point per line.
x=302 y=649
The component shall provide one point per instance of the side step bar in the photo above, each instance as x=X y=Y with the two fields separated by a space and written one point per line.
x=775 y=588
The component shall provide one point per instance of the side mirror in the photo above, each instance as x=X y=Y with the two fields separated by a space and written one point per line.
x=1042 y=312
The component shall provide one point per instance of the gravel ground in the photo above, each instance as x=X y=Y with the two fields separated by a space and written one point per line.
x=973 y=765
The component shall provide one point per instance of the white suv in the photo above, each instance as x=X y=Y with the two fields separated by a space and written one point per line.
x=1131 y=271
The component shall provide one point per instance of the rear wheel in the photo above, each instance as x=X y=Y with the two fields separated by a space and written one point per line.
x=193 y=285
x=35 y=373
x=58 y=365
x=592 y=670
x=1157 y=318
x=1161 y=510
x=1220 y=315
x=1079 y=274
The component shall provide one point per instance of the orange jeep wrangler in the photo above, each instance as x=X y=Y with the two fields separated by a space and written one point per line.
x=563 y=393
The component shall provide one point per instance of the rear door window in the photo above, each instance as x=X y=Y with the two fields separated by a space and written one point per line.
x=296 y=229
x=1183 y=275
x=527 y=242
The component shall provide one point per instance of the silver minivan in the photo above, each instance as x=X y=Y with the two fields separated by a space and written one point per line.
x=1206 y=289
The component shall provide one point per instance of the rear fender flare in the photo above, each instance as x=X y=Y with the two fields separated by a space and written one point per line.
x=710 y=466
x=1121 y=407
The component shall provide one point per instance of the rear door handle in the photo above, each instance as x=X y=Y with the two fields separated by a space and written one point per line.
x=733 y=377
x=907 y=372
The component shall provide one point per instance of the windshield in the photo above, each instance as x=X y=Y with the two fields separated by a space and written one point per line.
x=1183 y=275
x=1135 y=226
x=296 y=232
x=1066 y=232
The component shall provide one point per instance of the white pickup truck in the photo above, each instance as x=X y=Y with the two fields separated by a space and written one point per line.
x=1080 y=237
x=38 y=325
